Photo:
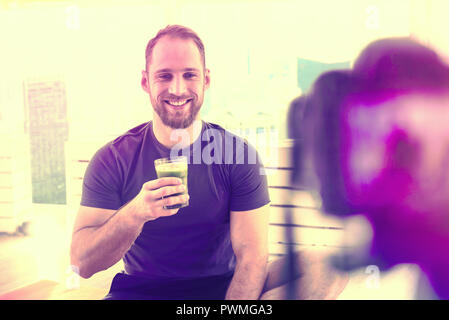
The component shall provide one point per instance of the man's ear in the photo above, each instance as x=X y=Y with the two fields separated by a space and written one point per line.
x=145 y=82
x=206 y=79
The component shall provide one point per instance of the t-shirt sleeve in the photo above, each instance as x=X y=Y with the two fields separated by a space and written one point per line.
x=102 y=181
x=249 y=188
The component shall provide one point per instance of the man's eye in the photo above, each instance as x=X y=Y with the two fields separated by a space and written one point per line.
x=189 y=75
x=164 y=76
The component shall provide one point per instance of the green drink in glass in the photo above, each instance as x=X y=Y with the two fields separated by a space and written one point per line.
x=173 y=167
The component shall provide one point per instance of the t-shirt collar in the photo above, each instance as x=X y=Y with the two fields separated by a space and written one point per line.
x=165 y=152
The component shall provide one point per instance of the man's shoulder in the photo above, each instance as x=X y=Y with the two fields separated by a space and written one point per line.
x=133 y=135
x=235 y=150
x=225 y=133
x=127 y=142
x=213 y=126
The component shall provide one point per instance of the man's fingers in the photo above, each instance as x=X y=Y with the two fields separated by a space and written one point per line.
x=166 y=212
x=162 y=193
x=162 y=182
x=170 y=212
x=167 y=191
x=171 y=201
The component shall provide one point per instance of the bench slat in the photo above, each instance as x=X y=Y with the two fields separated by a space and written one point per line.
x=307 y=235
x=303 y=216
x=299 y=198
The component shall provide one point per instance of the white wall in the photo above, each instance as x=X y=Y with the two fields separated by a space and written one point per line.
x=274 y=34
x=439 y=26
x=100 y=61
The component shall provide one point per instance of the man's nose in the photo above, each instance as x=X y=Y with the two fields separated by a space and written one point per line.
x=177 y=86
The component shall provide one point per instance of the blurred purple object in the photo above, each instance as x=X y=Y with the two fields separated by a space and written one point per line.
x=380 y=139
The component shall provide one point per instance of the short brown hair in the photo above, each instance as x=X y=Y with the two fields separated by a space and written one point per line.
x=175 y=31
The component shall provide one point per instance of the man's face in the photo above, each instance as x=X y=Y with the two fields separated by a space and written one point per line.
x=176 y=80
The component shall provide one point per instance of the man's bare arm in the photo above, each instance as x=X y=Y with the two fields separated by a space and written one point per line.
x=249 y=236
x=97 y=247
x=101 y=237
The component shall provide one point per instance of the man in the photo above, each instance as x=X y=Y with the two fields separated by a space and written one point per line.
x=214 y=248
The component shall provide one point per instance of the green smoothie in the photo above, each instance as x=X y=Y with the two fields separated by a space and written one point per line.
x=173 y=169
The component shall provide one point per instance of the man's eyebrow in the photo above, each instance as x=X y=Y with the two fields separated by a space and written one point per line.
x=171 y=70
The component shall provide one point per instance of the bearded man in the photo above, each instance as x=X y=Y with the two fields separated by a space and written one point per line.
x=214 y=248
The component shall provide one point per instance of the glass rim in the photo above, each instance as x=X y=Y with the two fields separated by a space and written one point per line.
x=178 y=159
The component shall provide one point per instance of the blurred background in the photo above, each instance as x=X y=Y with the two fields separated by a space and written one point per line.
x=70 y=82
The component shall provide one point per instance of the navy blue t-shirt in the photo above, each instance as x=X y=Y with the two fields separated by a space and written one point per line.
x=224 y=174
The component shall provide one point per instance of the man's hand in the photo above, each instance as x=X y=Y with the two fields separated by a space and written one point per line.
x=155 y=195
x=101 y=237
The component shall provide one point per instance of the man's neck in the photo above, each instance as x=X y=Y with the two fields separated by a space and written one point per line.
x=170 y=137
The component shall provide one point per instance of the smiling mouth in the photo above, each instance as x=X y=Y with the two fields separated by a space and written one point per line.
x=178 y=103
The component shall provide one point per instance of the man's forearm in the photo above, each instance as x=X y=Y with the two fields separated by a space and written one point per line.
x=248 y=281
x=97 y=248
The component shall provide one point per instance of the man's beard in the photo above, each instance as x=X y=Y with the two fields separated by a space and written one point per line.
x=179 y=119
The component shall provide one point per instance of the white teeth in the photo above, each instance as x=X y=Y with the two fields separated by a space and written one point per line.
x=177 y=102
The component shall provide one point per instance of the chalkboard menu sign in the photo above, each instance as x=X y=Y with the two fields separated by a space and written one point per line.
x=46 y=124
